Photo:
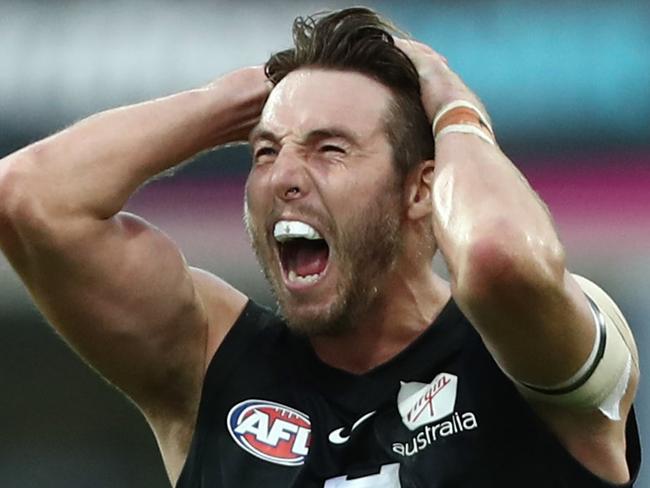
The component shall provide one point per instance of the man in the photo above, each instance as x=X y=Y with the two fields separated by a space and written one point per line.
x=378 y=373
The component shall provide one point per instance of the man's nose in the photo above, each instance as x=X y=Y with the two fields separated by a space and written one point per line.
x=289 y=178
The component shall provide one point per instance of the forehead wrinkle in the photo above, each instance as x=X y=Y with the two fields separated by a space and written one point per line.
x=319 y=98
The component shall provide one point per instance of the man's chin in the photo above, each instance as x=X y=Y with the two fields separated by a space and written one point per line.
x=314 y=319
x=308 y=314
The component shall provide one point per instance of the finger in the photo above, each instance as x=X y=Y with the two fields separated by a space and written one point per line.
x=411 y=46
x=406 y=45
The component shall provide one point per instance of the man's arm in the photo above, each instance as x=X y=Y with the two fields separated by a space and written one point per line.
x=113 y=285
x=509 y=275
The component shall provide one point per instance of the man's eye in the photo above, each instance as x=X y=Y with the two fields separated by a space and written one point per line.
x=332 y=148
x=264 y=151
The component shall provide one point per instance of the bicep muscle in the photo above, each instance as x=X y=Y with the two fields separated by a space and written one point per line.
x=122 y=295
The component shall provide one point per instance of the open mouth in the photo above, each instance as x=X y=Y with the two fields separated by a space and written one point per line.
x=303 y=252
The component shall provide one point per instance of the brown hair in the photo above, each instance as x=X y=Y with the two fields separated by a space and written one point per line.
x=358 y=39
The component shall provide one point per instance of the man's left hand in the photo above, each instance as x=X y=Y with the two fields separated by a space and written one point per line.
x=439 y=84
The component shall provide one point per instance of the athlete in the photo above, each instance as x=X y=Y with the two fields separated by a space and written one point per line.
x=375 y=372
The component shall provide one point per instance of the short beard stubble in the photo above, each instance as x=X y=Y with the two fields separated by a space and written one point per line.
x=367 y=248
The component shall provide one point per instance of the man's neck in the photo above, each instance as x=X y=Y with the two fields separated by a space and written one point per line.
x=405 y=307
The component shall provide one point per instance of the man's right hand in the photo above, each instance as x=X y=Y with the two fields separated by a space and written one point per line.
x=247 y=81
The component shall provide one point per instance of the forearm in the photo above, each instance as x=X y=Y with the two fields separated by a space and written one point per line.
x=487 y=221
x=94 y=166
x=485 y=215
x=506 y=263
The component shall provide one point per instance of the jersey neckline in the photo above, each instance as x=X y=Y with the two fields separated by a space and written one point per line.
x=441 y=339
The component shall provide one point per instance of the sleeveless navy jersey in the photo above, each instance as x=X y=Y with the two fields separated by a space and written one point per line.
x=439 y=414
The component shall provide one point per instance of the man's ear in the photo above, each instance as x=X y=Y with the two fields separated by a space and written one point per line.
x=419 y=183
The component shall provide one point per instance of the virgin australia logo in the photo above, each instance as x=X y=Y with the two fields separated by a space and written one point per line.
x=421 y=403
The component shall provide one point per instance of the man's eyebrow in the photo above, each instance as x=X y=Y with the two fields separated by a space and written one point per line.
x=260 y=132
x=333 y=132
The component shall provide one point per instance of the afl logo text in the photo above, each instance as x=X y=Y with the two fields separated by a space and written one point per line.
x=270 y=431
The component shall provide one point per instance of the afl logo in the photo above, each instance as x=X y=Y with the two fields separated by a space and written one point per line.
x=270 y=431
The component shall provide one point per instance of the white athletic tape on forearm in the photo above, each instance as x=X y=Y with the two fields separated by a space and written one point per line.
x=461 y=104
x=610 y=406
x=465 y=129
x=581 y=376
x=611 y=311
x=602 y=380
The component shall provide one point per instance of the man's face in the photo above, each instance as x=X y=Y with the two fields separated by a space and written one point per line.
x=323 y=198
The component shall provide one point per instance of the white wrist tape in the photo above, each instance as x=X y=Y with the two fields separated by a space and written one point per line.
x=602 y=380
x=465 y=129
x=461 y=104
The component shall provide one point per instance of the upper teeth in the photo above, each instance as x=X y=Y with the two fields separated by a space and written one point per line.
x=292 y=229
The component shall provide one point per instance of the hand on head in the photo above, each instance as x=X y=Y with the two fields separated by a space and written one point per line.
x=439 y=84
x=254 y=87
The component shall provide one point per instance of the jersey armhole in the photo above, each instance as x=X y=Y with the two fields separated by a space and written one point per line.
x=251 y=321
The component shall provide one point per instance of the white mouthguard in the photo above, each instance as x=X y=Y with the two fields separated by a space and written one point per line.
x=292 y=229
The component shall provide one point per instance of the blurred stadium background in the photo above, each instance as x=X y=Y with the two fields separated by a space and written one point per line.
x=567 y=84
